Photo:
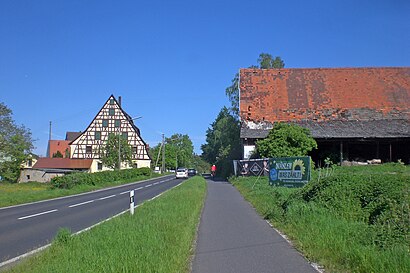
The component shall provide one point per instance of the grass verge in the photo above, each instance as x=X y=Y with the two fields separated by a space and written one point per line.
x=357 y=220
x=157 y=238
x=20 y=193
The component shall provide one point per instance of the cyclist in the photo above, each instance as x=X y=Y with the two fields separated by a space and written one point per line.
x=213 y=171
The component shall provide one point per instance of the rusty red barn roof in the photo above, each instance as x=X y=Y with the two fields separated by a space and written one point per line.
x=62 y=163
x=323 y=94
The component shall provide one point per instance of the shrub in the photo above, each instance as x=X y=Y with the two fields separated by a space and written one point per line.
x=374 y=196
x=70 y=180
x=286 y=140
x=357 y=220
x=63 y=236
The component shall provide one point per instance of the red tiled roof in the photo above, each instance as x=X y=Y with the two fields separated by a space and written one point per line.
x=62 y=163
x=58 y=145
x=72 y=135
x=324 y=94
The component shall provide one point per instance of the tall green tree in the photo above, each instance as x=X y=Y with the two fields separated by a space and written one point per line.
x=265 y=61
x=232 y=92
x=182 y=147
x=16 y=144
x=200 y=164
x=179 y=151
x=222 y=142
x=286 y=140
x=109 y=152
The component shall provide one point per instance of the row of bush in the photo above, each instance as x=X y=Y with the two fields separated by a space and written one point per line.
x=375 y=195
x=70 y=180
x=355 y=220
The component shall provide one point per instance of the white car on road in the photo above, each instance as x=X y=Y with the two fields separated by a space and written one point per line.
x=181 y=173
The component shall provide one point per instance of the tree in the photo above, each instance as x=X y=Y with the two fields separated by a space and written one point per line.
x=200 y=164
x=286 y=140
x=182 y=148
x=265 y=61
x=109 y=152
x=58 y=154
x=232 y=92
x=16 y=144
x=222 y=142
x=179 y=152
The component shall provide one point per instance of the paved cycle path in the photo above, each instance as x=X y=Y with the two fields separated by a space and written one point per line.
x=233 y=238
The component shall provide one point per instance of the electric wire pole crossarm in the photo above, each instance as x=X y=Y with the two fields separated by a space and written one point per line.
x=163 y=152
x=119 y=140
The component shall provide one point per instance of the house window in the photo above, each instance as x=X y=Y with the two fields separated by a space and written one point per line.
x=88 y=149
x=30 y=162
x=99 y=166
x=117 y=123
x=28 y=177
x=111 y=101
x=97 y=135
x=125 y=135
x=134 y=149
x=105 y=123
x=111 y=111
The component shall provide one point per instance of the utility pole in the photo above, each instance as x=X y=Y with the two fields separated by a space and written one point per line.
x=163 y=153
x=49 y=134
x=119 y=149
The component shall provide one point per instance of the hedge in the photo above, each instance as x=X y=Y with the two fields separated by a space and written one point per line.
x=70 y=180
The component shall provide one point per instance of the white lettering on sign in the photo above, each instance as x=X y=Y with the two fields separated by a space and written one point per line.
x=283 y=165
x=290 y=175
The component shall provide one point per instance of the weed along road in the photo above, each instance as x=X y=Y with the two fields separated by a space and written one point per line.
x=28 y=227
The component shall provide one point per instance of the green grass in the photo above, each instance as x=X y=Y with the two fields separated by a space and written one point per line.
x=20 y=193
x=157 y=238
x=357 y=220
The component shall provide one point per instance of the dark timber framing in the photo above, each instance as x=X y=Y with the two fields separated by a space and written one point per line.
x=111 y=119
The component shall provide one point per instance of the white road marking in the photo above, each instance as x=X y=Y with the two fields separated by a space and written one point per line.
x=79 y=204
x=37 y=214
x=149 y=185
x=124 y=192
x=86 y=229
x=102 y=198
x=79 y=194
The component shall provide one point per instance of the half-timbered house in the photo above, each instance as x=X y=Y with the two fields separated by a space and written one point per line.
x=111 y=119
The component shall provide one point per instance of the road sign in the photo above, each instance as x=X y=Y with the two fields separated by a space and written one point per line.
x=289 y=171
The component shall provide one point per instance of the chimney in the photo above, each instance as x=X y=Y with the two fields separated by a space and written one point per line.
x=119 y=100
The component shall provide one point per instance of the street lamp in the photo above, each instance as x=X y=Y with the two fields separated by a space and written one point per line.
x=119 y=140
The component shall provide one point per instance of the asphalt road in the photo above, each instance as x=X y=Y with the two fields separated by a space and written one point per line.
x=233 y=238
x=27 y=227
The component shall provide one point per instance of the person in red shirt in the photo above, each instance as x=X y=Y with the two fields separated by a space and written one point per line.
x=213 y=170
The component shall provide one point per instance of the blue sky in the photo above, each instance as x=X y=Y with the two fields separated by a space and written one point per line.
x=172 y=60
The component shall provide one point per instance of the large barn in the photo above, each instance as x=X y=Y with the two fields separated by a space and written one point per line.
x=354 y=114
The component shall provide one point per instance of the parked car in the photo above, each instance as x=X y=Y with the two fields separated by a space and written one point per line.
x=191 y=172
x=181 y=173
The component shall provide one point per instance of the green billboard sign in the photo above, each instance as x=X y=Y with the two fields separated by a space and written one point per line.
x=289 y=171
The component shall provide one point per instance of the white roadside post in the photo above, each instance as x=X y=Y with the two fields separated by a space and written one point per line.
x=132 y=202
